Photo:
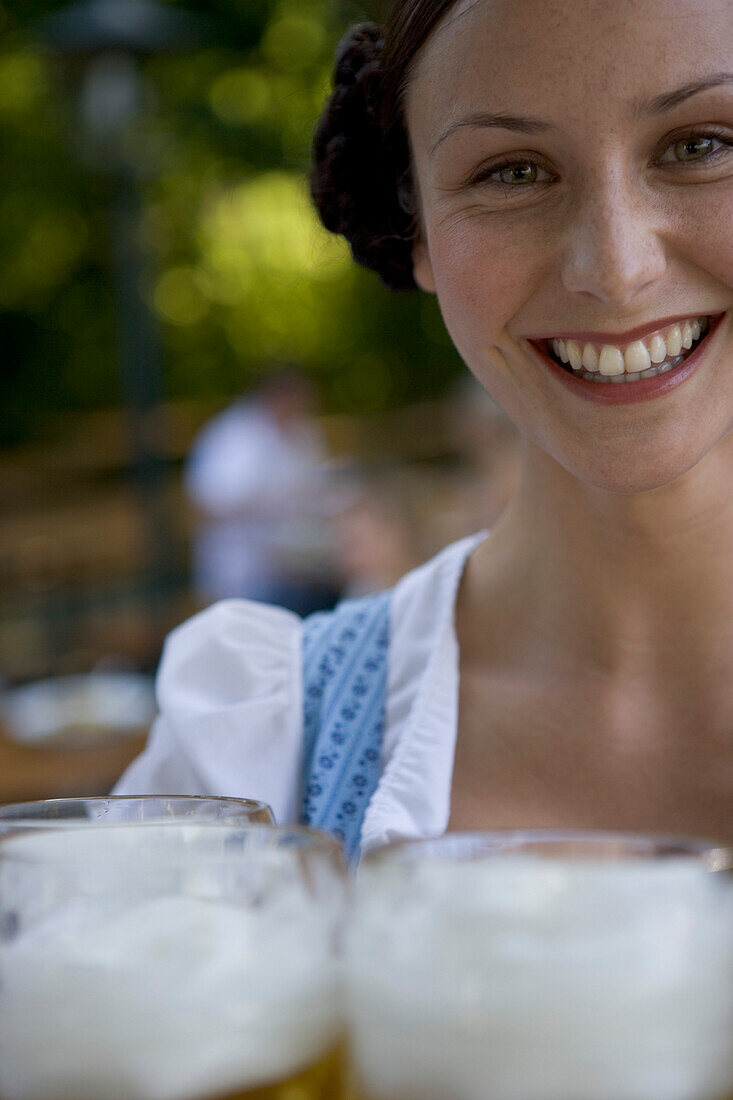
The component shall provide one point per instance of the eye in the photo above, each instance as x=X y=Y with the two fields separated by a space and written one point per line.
x=513 y=173
x=695 y=148
x=519 y=172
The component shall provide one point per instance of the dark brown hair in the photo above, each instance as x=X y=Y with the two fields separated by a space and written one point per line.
x=361 y=178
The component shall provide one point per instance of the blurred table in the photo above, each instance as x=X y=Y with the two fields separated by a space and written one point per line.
x=28 y=773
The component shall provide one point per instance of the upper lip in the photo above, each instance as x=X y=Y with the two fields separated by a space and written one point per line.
x=637 y=333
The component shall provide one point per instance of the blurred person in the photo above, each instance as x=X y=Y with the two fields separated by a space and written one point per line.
x=380 y=536
x=488 y=448
x=560 y=175
x=256 y=474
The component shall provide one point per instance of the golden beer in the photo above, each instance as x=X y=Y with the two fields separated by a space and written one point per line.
x=324 y=1080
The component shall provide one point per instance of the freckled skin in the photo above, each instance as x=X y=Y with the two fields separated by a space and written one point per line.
x=595 y=626
x=613 y=243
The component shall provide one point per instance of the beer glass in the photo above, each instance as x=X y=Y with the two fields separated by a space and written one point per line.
x=138 y=808
x=170 y=961
x=543 y=966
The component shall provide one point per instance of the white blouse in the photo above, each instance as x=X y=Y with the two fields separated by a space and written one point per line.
x=230 y=699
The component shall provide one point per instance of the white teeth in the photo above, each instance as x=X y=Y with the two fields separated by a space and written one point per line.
x=610 y=361
x=590 y=358
x=657 y=349
x=674 y=340
x=575 y=355
x=637 y=358
x=560 y=348
x=640 y=360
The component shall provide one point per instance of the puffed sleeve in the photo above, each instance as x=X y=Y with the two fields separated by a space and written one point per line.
x=230 y=710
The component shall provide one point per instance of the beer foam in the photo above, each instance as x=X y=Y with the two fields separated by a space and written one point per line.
x=517 y=978
x=133 y=997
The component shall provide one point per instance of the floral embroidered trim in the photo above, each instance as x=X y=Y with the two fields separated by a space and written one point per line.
x=345 y=687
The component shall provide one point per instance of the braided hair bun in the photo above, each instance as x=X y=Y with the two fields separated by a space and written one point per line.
x=360 y=174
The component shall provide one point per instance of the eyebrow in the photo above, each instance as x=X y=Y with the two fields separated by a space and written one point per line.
x=665 y=102
x=521 y=125
x=501 y=122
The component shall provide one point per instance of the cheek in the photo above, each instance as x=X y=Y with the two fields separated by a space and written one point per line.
x=484 y=273
x=710 y=234
x=484 y=277
x=700 y=231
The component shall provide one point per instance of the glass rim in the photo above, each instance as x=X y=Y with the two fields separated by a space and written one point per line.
x=303 y=841
x=464 y=846
x=14 y=811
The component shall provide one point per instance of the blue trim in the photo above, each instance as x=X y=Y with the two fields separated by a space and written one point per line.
x=344 y=700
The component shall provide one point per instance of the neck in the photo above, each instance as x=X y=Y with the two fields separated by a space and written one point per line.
x=639 y=584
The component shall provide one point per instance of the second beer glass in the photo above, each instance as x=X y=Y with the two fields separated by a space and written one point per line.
x=543 y=967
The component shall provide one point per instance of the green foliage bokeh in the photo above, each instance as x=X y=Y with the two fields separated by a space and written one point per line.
x=239 y=273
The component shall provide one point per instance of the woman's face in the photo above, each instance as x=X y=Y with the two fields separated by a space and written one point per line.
x=574 y=160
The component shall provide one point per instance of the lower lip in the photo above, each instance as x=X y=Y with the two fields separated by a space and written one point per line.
x=623 y=393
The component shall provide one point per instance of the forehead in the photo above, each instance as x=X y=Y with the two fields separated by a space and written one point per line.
x=570 y=57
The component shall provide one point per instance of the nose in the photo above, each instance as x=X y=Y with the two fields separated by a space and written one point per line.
x=614 y=248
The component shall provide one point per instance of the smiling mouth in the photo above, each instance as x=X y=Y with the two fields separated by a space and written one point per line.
x=656 y=354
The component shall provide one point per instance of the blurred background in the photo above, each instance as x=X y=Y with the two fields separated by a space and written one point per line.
x=202 y=394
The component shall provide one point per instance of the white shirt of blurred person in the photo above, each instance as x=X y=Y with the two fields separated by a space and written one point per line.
x=257 y=476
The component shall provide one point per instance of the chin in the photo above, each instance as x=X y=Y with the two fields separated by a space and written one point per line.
x=633 y=483
x=630 y=477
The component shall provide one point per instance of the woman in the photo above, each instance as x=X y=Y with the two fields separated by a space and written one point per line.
x=560 y=174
